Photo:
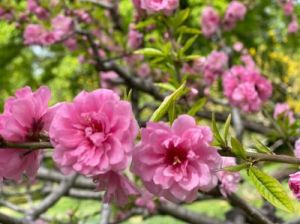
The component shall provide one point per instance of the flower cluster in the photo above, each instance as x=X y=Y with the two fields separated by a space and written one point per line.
x=17 y=126
x=288 y=9
x=176 y=162
x=211 y=21
x=246 y=88
x=62 y=26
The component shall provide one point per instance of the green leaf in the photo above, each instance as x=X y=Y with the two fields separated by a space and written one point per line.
x=188 y=30
x=172 y=112
x=237 y=148
x=166 y=86
x=127 y=96
x=270 y=189
x=197 y=106
x=216 y=131
x=188 y=44
x=165 y=105
x=226 y=128
x=180 y=17
x=260 y=147
x=145 y=23
x=236 y=168
x=149 y=52
x=191 y=57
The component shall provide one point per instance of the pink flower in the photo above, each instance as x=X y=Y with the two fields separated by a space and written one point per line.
x=210 y=21
x=83 y=16
x=34 y=34
x=154 y=6
x=288 y=8
x=26 y=116
x=229 y=180
x=238 y=46
x=34 y=7
x=71 y=44
x=297 y=148
x=146 y=200
x=284 y=110
x=144 y=70
x=294 y=184
x=135 y=38
x=107 y=78
x=236 y=11
x=93 y=134
x=215 y=65
x=246 y=88
x=293 y=26
x=62 y=26
x=175 y=162
x=117 y=186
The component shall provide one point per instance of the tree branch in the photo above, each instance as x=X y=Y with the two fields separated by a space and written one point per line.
x=51 y=199
x=184 y=214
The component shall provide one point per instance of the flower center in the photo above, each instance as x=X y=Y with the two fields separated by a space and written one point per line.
x=95 y=128
x=36 y=129
x=176 y=155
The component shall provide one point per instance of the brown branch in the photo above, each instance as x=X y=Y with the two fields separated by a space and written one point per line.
x=26 y=145
x=99 y=3
x=51 y=175
x=54 y=197
x=251 y=212
x=183 y=214
x=264 y=157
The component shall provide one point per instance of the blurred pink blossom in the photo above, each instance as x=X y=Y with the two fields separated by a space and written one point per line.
x=210 y=21
x=293 y=26
x=214 y=66
x=283 y=109
x=117 y=187
x=297 y=148
x=288 y=8
x=229 y=180
x=146 y=200
x=135 y=38
x=154 y=6
x=246 y=88
x=294 y=184
x=26 y=116
x=176 y=162
x=236 y=11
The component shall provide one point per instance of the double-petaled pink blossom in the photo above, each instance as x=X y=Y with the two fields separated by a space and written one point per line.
x=228 y=180
x=117 y=187
x=26 y=116
x=283 y=110
x=294 y=184
x=93 y=134
x=34 y=7
x=246 y=88
x=176 y=162
x=210 y=21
